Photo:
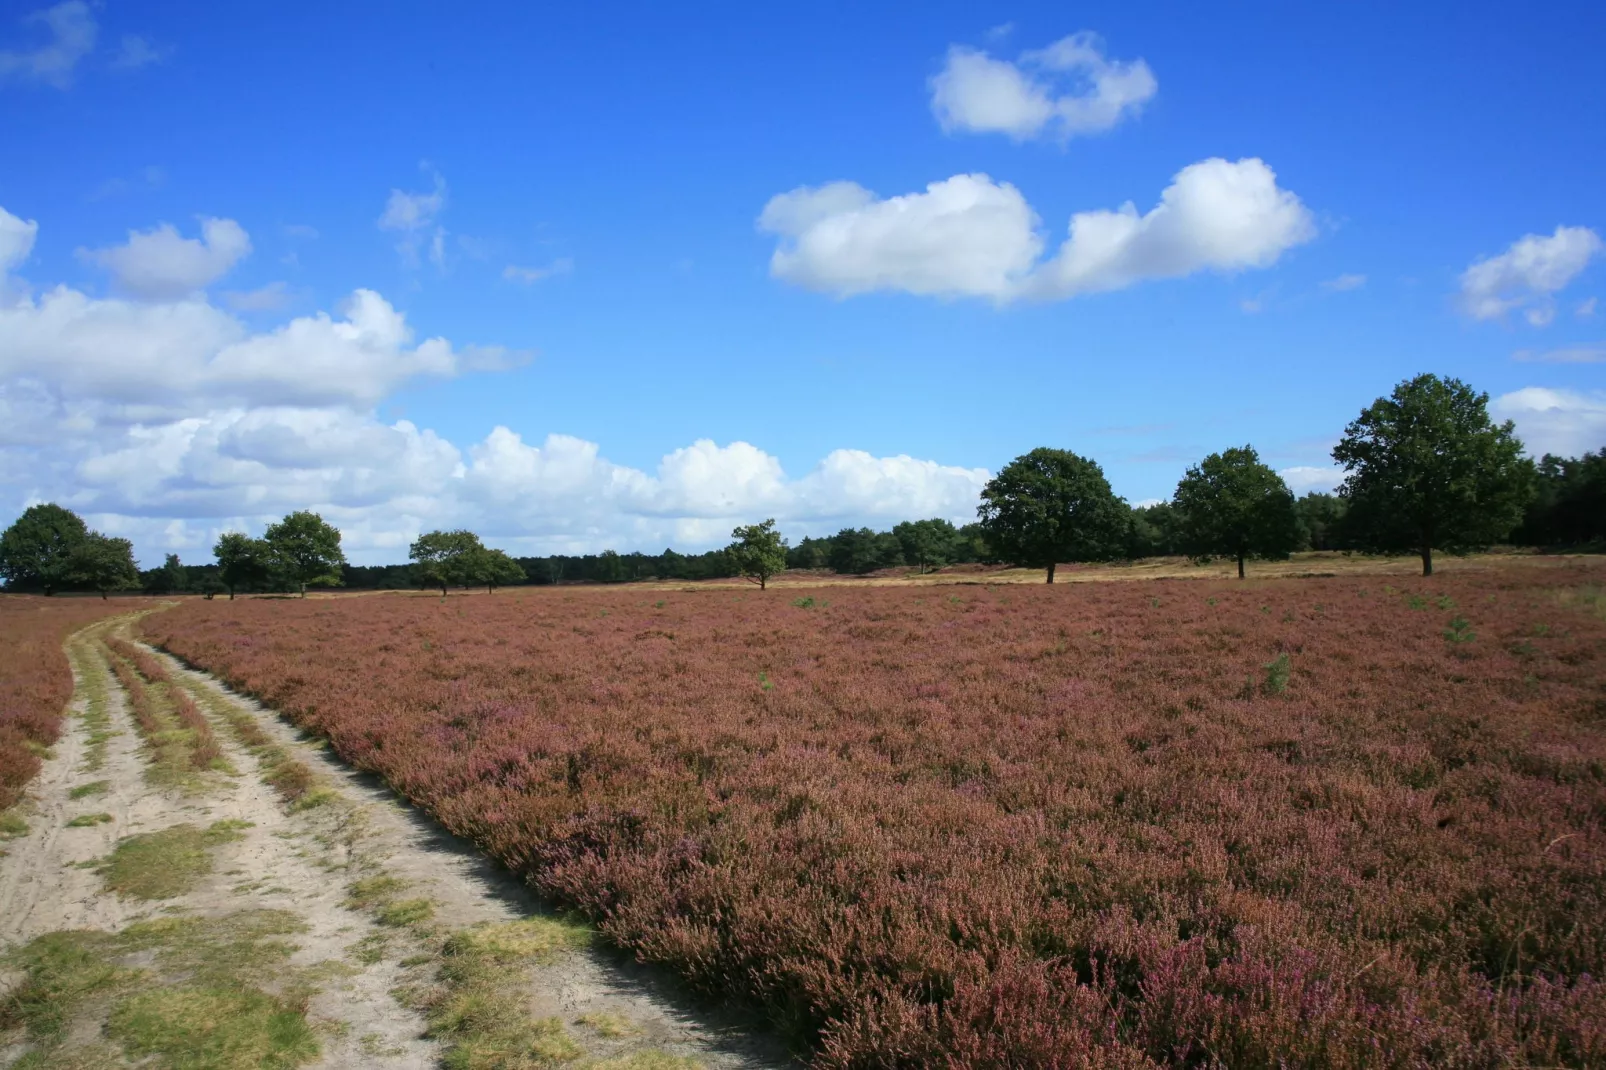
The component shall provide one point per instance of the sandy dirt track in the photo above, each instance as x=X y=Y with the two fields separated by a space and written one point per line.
x=303 y=859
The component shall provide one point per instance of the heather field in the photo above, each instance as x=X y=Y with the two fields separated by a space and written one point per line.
x=1343 y=822
x=35 y=680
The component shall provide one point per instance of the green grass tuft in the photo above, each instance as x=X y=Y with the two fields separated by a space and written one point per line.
x=165 y=864
x=84 y=821
x=406 y=912
x=94 y=787
x=12 y=825
x=184 y=1026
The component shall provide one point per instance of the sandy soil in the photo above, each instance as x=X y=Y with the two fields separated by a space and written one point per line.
x=303 y=861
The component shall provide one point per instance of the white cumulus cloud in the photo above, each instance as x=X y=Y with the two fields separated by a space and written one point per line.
x=168 y=421
x=1564 y=422
x=1305 y=478
x=1528 y=275
x=160 y=264
x=1066 y=89
x=970 y=236
x=16 y=240
x=71 y=30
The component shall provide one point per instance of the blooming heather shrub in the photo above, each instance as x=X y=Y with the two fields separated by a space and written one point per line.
x=1043 y=826
x=35 y=680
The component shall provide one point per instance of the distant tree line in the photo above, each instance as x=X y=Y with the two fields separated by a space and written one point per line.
x=1426 y=469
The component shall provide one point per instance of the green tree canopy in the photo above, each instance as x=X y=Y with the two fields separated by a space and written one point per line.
x=1232 y=505
x=759 y=551
x=441 y=557
x=1428 y=468
x=305 y=549
x=490 y=568
x=242 y=561
x=1323 y=517
x=103 y=564
x=1049 y=506
x=171 y=578
x=927 y=544
x=35 y=551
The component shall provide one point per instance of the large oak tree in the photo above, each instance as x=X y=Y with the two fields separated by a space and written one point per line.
x=1049 y=506
x=1429 y=469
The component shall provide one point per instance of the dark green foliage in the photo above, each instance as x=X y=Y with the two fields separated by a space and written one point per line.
x=1232 y=505
x=242 y=561
x=305 y=550
x=758 y=553
x=1569 y=506
x=1428 y=468
x=1323 y=518
x=34 y=551
x=927 y=544
x=860 y=550
x=171 y=578
x=444 y=557
x=1152 y=531
x=490 y=569
x=102 y=563
x=1050 y=506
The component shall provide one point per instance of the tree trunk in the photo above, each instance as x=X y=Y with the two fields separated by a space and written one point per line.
x=103 y=596
x=303 y=588
x=1240 y=564
x=763 y=582
x=1050 y=573
x=231 y=594
x=1427 y=560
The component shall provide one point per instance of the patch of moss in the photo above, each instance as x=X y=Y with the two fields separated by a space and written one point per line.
x=12 y=825
x=607 y=1025
x=185 y=1026
x=175 y=992
x=165 y=864
x=406 y=912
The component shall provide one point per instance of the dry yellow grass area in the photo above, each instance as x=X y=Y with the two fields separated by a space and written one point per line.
x=1311 y=564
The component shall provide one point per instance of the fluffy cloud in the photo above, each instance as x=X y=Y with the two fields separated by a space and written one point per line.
x=969 y=236
x=1528 y=275
x=170 y=421
x=1066 y=89
x=1304 y=478
x=16 y=240
x=71 y=30
x=965 y=236
x=1564 y=422
x=159 y=264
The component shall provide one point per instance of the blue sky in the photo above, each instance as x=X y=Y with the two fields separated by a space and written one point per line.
x=743 y=262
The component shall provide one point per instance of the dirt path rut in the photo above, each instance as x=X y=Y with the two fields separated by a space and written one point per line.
x=409 y=948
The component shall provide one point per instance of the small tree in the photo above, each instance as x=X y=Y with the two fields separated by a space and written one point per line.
x=493 y=568
x=35 y=550
x=758 y=553
x=170 y=578
x=103 y=564
x=242 y=561
x=1049 y=506
x=305 y=549
x=927 y=544
x=1233 y=505
x=439 y=557
x=1429 y=468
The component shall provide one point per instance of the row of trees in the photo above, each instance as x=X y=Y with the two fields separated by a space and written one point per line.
x=1426 y=469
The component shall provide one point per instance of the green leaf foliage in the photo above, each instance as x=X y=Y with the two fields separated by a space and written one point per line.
x=759 y=551
x=305 y=549
x=1232 y=505
x=1049 y=506
x=1429 y=469
x=35 y=551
